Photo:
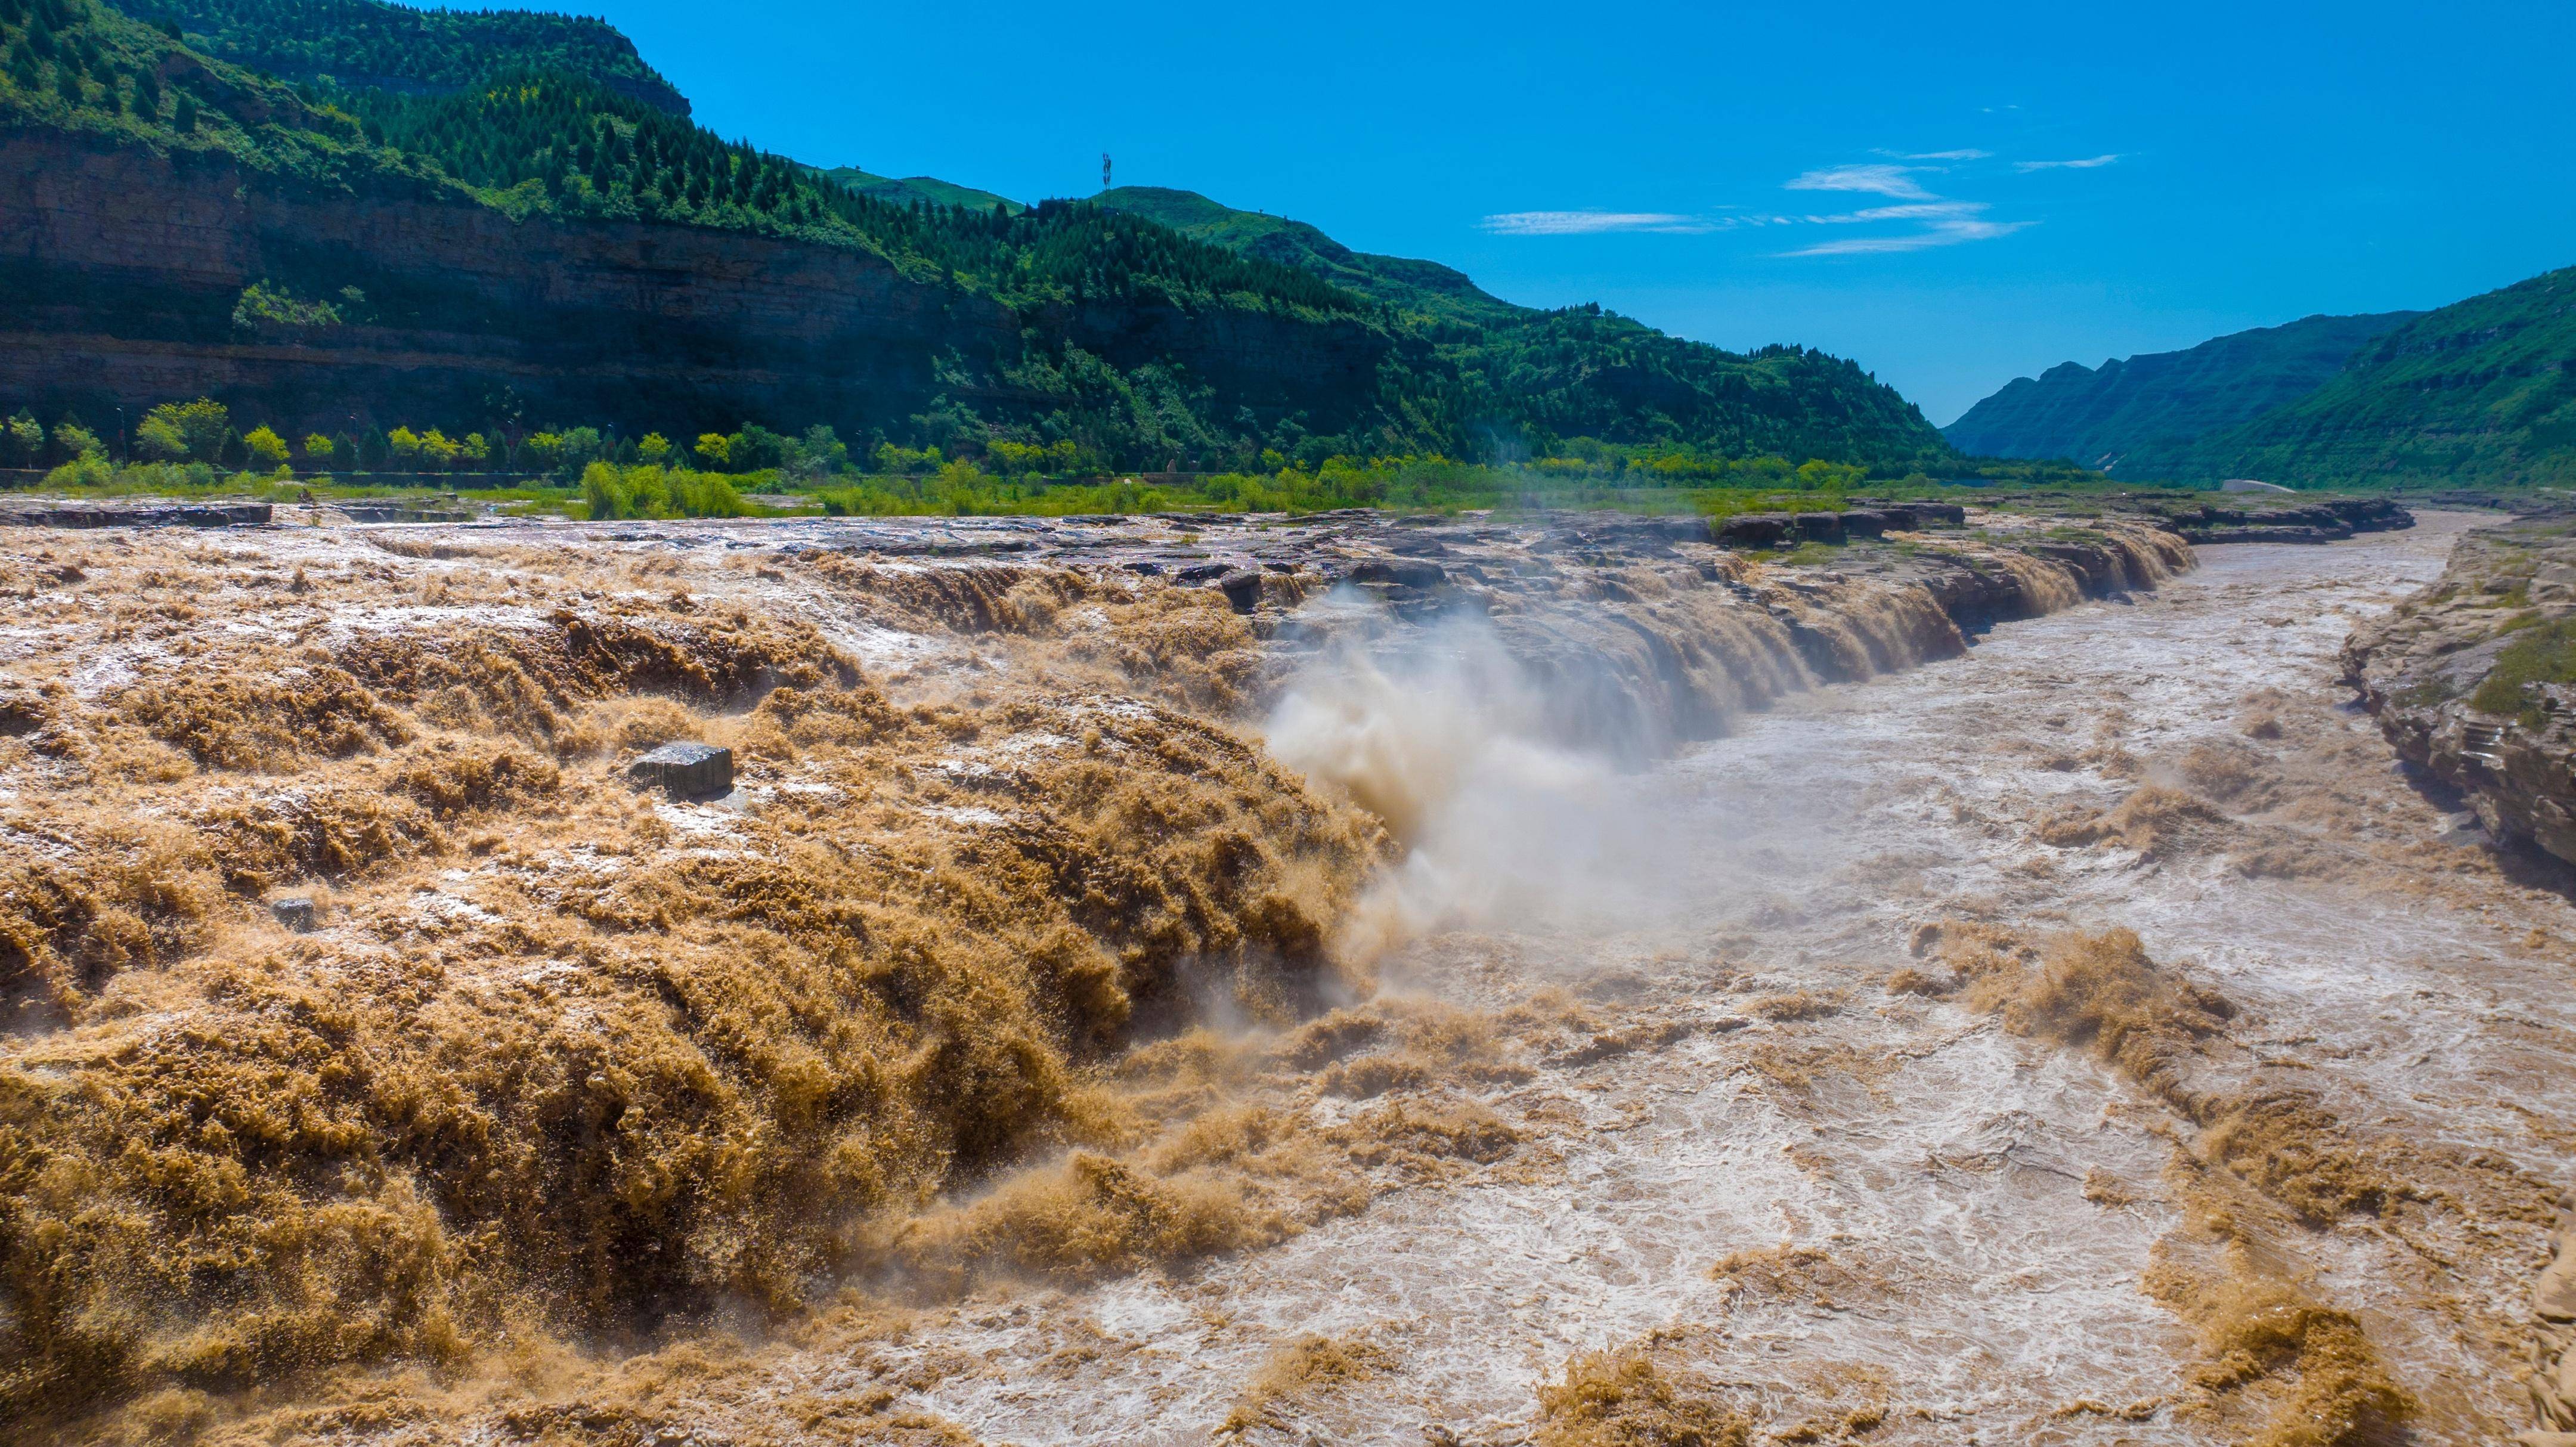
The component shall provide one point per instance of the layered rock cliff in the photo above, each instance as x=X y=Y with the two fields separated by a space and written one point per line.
x=2475 y=680
x=121 y=268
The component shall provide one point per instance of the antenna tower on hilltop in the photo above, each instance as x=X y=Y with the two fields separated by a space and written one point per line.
x=1104 y=170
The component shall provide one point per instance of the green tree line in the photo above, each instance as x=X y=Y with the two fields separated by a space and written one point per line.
x=549 y=140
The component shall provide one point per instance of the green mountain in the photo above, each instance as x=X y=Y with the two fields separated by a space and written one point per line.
x=2480 y=392
x=2134 y=417
x=501 y=244
x=1581 y=371
x=929 y=190
x=540 y=140
x=366 y=44
x=1424 y=288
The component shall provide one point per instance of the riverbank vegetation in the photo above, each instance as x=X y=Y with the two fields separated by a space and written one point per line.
x=191 y=448
x=964 y=488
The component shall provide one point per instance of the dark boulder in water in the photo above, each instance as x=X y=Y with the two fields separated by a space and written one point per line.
x=686 y=771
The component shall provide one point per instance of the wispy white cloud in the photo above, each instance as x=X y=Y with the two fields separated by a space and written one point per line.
x=1593 y=223
x=1882 y=180
x=1910 y=211
x=1922 y=219
x=1939 y=233
x=1916 y=217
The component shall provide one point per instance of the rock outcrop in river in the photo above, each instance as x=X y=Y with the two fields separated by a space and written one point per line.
x=2475 y=679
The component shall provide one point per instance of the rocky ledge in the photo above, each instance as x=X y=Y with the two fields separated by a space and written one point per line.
x=1628 y=634
x=2325 y=521
x=133 y=513
x=2475 y=678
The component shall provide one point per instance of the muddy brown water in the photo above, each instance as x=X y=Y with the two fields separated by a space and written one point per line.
x=1930 y=1229
x=1987 y=1205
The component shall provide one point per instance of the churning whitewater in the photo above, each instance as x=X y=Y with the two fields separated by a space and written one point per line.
x=1469 y=982
x=1840 y=1202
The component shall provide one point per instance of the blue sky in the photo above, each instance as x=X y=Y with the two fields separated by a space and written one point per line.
x=1953 y=195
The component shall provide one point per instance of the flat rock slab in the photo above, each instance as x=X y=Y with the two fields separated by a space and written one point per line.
x=686 y=771
x=140 y=515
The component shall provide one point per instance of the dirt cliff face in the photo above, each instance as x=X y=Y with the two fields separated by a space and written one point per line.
x=2468 y=680
x=120 y=269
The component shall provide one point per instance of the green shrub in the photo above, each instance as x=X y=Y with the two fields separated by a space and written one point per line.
x=2545 y=653
x=265 y=448
x=90 y=469
x=184 y=431
x=609 y=491
x=261 y=302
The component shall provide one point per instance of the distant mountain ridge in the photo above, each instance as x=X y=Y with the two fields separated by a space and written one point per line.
x=1581 y=371
x=1425 y=288
x=2139 y=416
x=2482 y=391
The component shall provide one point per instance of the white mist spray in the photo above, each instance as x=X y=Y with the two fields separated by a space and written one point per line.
x=1440 y=732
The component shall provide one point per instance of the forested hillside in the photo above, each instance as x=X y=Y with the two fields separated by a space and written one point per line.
x=2480 y=392
x=538 y=139
x=905 y=190
x=1423 y=288
x=76 y=68
x=366 y=43
x=2136 y=417
x=1581 y=371
x=346 y=247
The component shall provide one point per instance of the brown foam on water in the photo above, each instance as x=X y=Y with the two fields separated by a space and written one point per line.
x=2154 y=821
x=1298 y=1373
x=568 y=1063
x=1625 y=1398
x=2310 y=1371
x=1184 y=646
x=566 y=1058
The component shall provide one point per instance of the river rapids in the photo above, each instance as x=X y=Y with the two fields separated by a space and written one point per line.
x=1687 y=997
x=1974 y=1214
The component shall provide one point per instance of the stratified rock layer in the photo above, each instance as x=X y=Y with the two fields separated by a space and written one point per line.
x=2428 y=672
x=120 y=270
x=2325 y=520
